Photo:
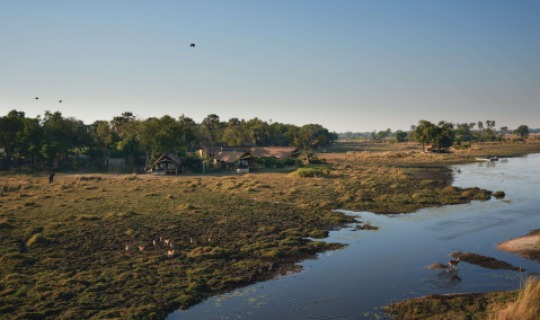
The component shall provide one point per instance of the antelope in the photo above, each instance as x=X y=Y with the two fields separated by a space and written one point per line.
x=141 y=248
x=166 y=241
x=453 y=264
x=128 y=247
x=154 y=243
x=171 y=244
x=170 y=253
x=210 y=237
x=191 y=240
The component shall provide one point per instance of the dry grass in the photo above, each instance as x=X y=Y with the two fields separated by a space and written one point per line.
x=526 y=306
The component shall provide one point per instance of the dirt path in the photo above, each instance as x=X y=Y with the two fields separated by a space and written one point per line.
x=527 y=246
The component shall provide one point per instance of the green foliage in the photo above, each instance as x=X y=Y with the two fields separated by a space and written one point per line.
x=59 y=142
x=440 y=136
x=522 y=131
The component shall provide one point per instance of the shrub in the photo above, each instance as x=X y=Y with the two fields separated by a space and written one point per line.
x=312 y=171
x=499 y=194
x=270 y=162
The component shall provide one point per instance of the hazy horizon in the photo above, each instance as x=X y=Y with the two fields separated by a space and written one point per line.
x=348 y=65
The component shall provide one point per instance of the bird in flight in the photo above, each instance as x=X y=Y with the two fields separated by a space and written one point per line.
x=37 y=98
x=192 y=45
x=60 y=101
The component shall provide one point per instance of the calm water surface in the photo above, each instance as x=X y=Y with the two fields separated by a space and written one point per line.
x=380 y=267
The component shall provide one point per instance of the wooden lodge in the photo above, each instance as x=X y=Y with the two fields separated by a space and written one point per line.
x=279 y=153
x=239 y=161
x=245 y=158
x=167 y=164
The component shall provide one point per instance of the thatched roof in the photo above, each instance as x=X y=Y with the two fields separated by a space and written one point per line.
x=274 y=152
x=232 y=156
x=168 y=157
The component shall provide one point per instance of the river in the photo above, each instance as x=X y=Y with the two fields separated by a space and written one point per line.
x=380 y=267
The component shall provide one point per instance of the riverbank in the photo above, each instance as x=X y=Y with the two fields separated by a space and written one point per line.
x=527 y=246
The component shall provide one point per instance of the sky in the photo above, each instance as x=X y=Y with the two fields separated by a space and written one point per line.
x=358 y=65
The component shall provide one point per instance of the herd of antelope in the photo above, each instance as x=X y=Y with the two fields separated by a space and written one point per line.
x=164 y=243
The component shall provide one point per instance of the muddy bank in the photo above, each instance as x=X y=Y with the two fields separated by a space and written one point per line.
x=527 y=246
x=450 y=306
x=484 y=261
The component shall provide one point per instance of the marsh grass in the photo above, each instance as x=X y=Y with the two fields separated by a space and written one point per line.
x=451 y=306
x=68 y=249
x=507 y=305
x=525 y=307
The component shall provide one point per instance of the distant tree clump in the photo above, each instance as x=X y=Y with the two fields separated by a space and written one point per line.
x=522 y=131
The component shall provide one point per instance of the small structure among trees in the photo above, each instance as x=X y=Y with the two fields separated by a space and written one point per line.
x=167 y=164
x=235 y=160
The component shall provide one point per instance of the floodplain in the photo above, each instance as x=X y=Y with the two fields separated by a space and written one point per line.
x=93 y=245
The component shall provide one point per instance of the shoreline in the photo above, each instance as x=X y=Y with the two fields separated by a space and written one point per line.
x=527 y=246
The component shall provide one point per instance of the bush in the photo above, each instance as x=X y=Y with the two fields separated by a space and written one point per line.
x=270 y=162
x=499 y=194
x=312 y=171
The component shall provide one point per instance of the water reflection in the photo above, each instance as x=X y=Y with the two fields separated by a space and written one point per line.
x=445 y=279
x=379 y=267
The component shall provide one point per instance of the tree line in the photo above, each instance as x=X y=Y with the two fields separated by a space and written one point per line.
x=443 y=134
x=55 y=141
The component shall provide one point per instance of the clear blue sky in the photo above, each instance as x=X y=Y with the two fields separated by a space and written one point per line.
x=348 y=65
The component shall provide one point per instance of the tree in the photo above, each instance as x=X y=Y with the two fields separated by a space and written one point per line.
x=401 y=136
x=463 y=132
x=30 y=140
x=105 y=139
x=236 y=133
x=168 y=137
x=10 y=129
x=522 y=131
x=277 y=134
x=480 y=125
x=59 y=138
x=312 y=136
x=128 y=129
x=381 y=135
x=441 y=136
x=260 y=132
x=211 y=124
x=189 y=130
x=425 y=132
x=490 y=124
x=148 y=131
x=444 y=135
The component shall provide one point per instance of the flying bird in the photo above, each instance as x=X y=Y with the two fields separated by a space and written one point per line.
x=60 y=101
x=37 y=98
x=192 y=45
